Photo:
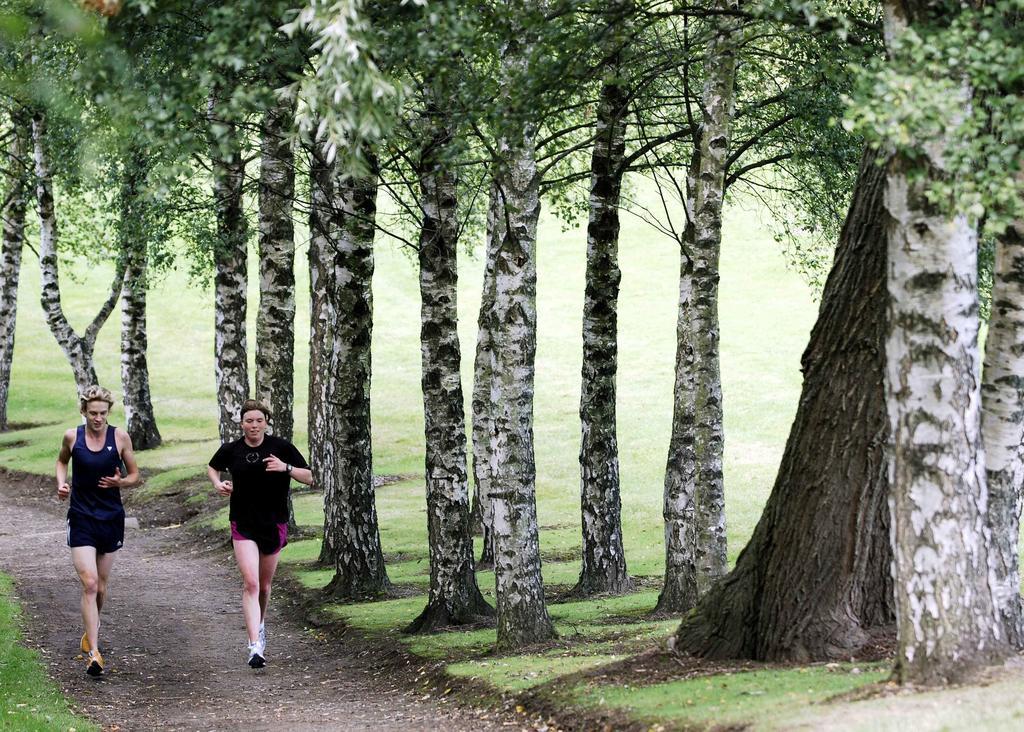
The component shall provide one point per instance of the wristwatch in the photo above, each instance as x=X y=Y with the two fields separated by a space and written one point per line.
x=288 y=468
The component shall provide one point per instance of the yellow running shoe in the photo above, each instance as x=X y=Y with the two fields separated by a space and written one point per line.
x=85 y=643
x=95 y=663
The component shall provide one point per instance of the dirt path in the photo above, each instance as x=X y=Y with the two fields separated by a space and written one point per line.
x=173 y=638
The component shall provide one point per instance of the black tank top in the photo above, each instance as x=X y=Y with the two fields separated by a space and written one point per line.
x=87 y=467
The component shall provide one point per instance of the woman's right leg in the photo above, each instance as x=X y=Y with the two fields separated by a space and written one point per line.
x=247 y=556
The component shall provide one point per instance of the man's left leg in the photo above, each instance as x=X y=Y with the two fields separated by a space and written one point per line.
x=104 y=563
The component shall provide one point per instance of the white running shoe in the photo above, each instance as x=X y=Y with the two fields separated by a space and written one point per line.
x=256 y=659
x=263 y=636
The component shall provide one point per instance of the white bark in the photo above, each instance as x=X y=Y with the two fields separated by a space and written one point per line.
x=455 y=597
x=603 y=567
x=275 y=320
x=694 y=504
x=231 y=369
x=947 y=621
x=78 y=349
x=15 y=203
x=522 y=613
x=1002 y=425
x=350 y=514
x=482 y=407
x=140 y=421
x=322 y=243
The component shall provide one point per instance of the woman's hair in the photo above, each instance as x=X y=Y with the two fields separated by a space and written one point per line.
x=95 y=393
x=254 y=405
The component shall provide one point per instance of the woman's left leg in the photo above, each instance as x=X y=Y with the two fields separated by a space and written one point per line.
x=268 y=566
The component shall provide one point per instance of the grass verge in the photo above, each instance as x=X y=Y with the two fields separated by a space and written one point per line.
x=29 y=700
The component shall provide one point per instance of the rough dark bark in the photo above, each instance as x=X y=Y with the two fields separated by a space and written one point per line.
x=604 y=560
x=322 y=244
x=454 y=598
x=694 y=507
x=231 y=279
x=78 y=349
x=813 y=582
x=140 y=421
x=482 y=405
x=1002 y=425
x=15 y=203
x=350 y=512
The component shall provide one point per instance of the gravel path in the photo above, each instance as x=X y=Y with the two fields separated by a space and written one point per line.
x=173 y=638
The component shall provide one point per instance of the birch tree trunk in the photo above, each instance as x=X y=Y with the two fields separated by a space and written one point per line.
x=140 y=422
x=604 y=561
x=814 y=583
x=350 y=512
x=275 y=321
x=948 y=624
x=694 y=510
x=483 y=421
x=321 y=414
x=1002 y=425
x=15 y=203
x=455 y=598
x=522 y=613
x=78 y=349
x=231 y=368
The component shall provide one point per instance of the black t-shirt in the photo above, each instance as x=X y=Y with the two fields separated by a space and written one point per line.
x=258 y=497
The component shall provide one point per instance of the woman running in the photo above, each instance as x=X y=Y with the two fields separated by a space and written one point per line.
x=96 y=451
x=261 y=468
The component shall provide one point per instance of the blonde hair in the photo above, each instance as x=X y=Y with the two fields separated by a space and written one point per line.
x=95 y=393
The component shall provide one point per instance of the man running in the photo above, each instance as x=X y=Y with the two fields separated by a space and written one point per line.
x=96 y=452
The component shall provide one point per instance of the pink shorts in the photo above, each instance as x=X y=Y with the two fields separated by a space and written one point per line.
x=282 y=538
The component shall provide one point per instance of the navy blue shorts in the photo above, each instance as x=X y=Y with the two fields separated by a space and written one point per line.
x=106 y=536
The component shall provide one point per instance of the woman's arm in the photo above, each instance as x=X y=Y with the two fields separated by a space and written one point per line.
x=223 y=487
x=275 y=464
x=303 y=475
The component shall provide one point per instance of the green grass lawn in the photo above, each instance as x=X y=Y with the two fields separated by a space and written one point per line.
x=762 y=696
x=766 y=315
x=29 y=700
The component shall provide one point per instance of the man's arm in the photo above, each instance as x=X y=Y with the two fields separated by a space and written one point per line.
x=63 y=459
x=124 y=447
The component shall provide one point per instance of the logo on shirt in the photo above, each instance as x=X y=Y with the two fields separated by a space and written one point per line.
x=110 y=447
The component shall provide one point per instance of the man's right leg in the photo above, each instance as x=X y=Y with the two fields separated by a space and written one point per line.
x=84 y=559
